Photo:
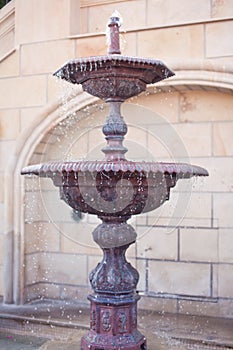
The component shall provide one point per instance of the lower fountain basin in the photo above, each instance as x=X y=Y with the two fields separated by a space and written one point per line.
x=118 y=188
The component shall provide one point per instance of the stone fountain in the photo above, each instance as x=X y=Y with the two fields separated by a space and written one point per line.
x=114 y=189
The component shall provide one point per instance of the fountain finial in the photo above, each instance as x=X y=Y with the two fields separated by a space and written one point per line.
x=114 y=24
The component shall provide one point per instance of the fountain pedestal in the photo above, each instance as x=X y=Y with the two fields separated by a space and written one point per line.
x=113 y=314
x=113 y=325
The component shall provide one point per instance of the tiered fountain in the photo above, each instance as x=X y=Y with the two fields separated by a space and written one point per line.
x=114 y=189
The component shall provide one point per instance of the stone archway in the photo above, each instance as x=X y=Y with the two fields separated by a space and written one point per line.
x=14 y=215
x=14 y=193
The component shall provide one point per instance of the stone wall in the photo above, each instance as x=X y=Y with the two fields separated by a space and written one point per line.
x=186 y=265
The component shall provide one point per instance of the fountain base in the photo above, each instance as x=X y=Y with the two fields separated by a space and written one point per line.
x=113 y=315
x=113 y=324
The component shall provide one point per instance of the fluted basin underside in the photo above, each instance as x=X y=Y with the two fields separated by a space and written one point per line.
x=118 y=188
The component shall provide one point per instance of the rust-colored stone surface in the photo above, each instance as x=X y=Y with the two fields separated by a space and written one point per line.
x=114 y=190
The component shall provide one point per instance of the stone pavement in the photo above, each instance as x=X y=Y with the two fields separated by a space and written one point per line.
x=10 y=341
x=60 y=326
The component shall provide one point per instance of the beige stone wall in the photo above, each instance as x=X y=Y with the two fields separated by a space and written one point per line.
x=185 y=265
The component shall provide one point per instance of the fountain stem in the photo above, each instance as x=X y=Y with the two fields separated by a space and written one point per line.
x=114 y=130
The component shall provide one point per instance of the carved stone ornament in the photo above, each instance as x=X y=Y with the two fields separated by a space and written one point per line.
x=93 y=320
x=114 y=274
x=122 y=322
x=106 y=321
x=114 y=88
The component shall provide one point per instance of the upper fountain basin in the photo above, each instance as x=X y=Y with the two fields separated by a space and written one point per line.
x=114 y=77
x=117 y=188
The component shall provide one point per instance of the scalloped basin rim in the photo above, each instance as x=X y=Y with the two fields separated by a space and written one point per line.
x=91 y=65
x=182 y=170
x=116 y=58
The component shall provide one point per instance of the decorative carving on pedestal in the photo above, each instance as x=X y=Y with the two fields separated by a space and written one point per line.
x=115 y=324
x=93 y=320
x=106 y=320
x=114 y=274
x=134 y=317
x=114 y=278
x=122 y=322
